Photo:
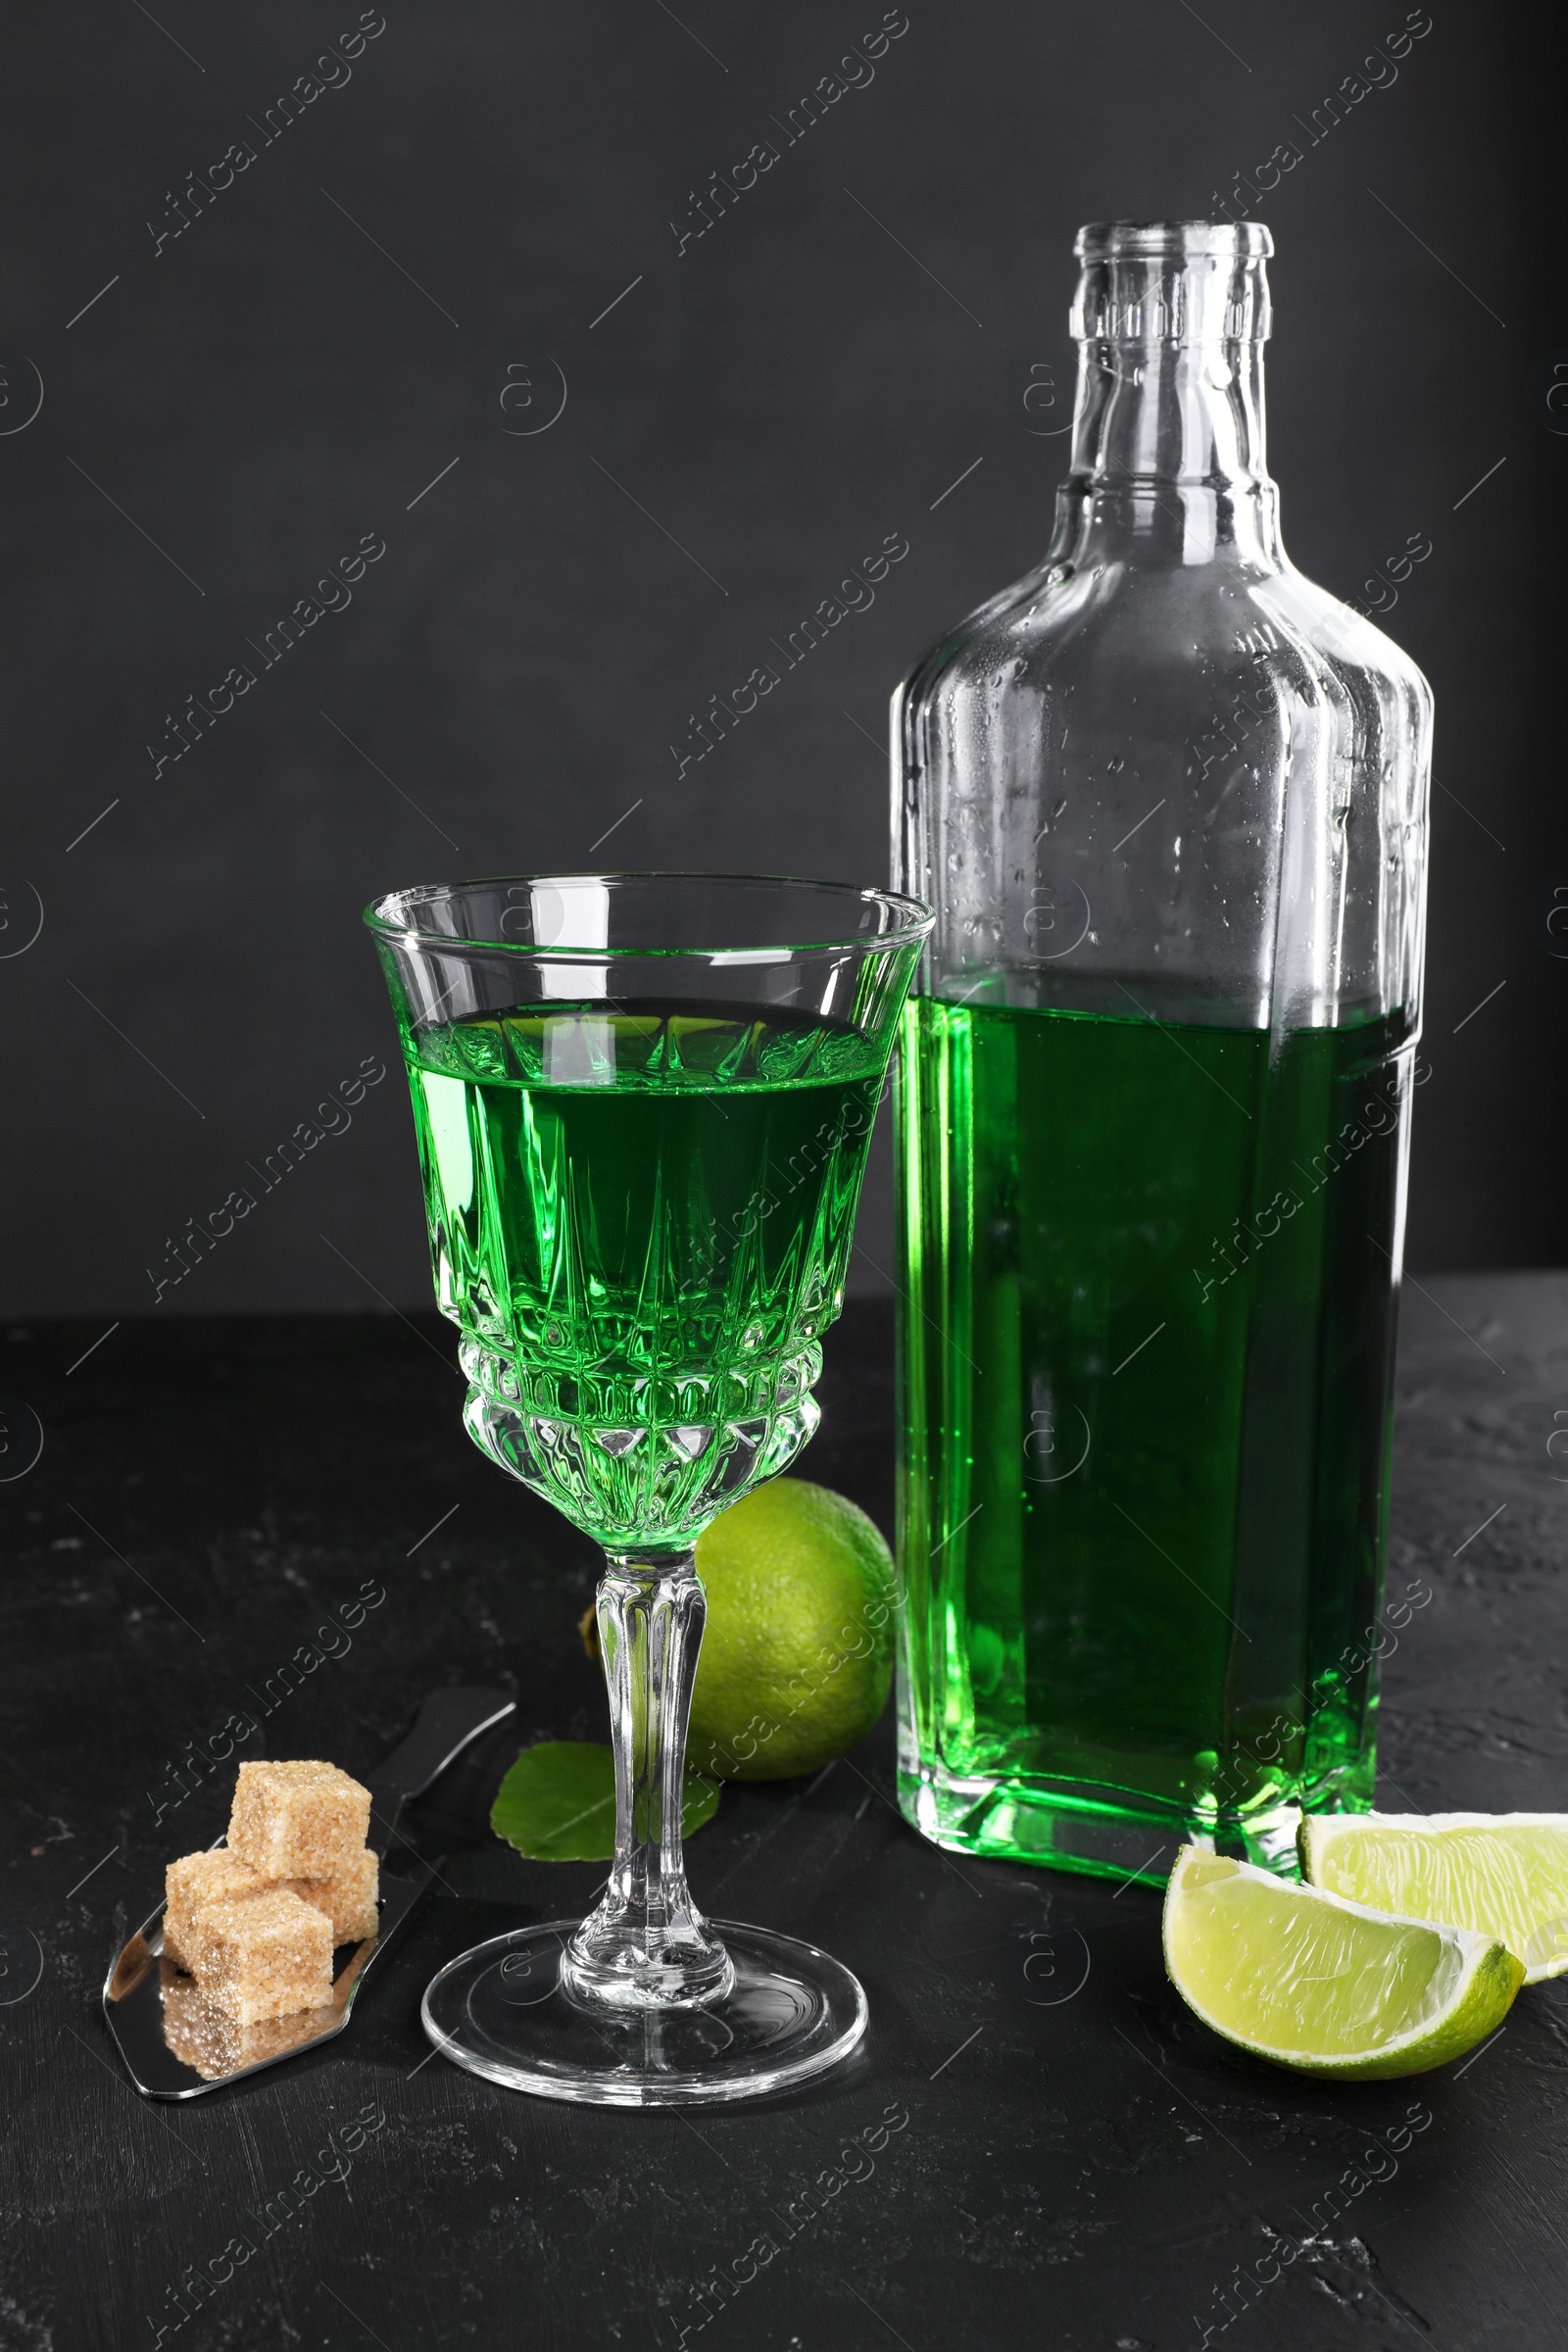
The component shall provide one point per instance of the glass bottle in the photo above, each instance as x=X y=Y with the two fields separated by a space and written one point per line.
x=1168 y=801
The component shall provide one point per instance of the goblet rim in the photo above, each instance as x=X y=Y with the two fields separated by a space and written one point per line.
x=388 y=917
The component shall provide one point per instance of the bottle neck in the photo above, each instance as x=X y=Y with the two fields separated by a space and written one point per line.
x=1168 y=453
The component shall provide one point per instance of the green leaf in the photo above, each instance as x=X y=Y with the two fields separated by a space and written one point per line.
x=557 y=1802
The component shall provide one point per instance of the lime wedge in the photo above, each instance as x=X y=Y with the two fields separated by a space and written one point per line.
x=1312 y=1982
x=1505 y=1873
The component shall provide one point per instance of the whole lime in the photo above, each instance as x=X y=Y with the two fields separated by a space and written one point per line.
x=798 y=1650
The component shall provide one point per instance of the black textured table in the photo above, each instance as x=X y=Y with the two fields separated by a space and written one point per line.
x=1039 y=2145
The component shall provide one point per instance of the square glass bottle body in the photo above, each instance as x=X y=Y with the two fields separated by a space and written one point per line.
x=1168 y=800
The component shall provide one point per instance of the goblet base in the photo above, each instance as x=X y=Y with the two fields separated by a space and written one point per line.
x=501 y=2011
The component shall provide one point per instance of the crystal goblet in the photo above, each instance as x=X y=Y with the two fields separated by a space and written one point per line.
x=642 y=1105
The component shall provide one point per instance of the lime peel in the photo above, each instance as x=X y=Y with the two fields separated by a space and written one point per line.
x=796 y=1654
x=1313 y=1981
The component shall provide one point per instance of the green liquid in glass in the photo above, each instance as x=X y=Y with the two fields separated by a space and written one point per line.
x=640 y=1219
x=1146 y=1371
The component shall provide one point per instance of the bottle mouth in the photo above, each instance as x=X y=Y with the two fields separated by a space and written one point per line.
x=1173 y=240
x=1172 y=282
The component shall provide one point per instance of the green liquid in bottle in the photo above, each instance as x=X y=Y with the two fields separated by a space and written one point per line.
x=640 y=1221
x=1145 y=1363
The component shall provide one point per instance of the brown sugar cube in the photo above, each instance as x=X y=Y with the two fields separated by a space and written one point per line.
x=263 y=1956
x=197 y=1879
x=348 y=1897
x=216 y=2044
x=297 y=1821
x=217 y=1875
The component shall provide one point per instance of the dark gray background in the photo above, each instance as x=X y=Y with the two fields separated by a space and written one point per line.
x=239 y=407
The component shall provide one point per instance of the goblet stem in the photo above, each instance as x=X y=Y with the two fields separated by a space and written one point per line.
x=646 y=1946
